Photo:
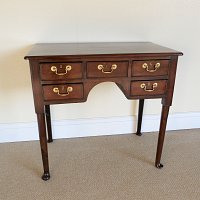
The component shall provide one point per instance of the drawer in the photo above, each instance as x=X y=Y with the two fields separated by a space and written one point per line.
x=150 y=68
x=107 y=69
x=61 y=71
x=157 y=87
x=64 y=91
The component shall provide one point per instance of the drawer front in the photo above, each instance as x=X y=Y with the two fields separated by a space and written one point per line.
x=64 y=91
x=150 y=68
x=157 y=87
x=107 y=69
x=61 y=71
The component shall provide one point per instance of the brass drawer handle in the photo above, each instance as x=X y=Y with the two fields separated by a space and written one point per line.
x=143 y=86
x=67 y=68
x=69 y=89
x=156 y=66
x=101 y=67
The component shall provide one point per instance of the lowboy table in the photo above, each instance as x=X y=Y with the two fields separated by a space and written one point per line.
x=65 y=73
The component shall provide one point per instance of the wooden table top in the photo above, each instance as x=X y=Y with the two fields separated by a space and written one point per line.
x=99 y=48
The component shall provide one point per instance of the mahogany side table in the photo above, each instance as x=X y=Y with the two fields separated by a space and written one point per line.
x=66 y=72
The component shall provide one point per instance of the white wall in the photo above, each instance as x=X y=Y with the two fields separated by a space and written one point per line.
x=170 y=23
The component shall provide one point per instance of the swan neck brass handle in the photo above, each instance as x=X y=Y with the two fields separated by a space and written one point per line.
x=69 y=89
x=144 y=87
x=146 y=66
x=55 y=69
x=101 y=67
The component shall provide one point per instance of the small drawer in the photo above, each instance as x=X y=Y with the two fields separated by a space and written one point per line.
x=64 y=91
x=107 y=69
x=157 y=87
x=61 y=71
x=150 y=68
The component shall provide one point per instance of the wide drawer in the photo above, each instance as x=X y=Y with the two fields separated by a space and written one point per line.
x=150 y=67
x=64 y=91
x=61 y=71
x=107 y=69
x=139 y=88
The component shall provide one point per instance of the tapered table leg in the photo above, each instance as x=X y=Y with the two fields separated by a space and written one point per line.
x=48 y=121
x=161 y=137
x=140 y=113
x=43 y=145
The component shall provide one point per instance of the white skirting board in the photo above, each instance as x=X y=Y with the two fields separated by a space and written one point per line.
x=97 y=126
